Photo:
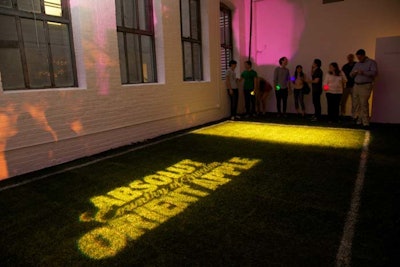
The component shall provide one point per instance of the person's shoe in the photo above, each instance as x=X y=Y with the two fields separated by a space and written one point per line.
x=232 y=118
x=314 y=118
x=358 y=122
x=237 y=117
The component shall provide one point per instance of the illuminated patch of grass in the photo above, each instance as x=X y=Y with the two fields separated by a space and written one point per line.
x=288 y=134
x=286 y=210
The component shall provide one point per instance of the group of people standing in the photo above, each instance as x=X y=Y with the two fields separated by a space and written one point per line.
x=354 y=79
x=252 y=86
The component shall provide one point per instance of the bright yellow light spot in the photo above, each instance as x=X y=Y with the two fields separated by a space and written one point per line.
x=55 y=24
x=53 y=7
x=102 y=242
x=128 y=212
x=288 y=134
x=145 y=73
x=3 y=164
x=8 y=128
x=76 y=126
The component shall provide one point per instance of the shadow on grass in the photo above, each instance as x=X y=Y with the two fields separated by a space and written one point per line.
x=286 y=210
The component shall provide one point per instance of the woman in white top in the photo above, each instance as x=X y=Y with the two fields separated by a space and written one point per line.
x=334 y=83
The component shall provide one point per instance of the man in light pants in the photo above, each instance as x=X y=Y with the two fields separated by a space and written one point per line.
x=364 y=73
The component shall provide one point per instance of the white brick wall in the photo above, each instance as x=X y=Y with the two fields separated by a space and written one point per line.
x=43 y=128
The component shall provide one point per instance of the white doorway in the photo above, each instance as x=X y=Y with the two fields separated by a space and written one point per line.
x=385 y=105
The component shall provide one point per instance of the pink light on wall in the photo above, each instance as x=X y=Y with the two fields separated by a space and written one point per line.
x=99 y=32
x=38 y=113
x=166 y=12
x=105 y=22
x=277 y=29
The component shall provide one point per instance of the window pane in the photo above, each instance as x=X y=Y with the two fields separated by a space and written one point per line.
x=61 y=52
x=221 y=27
x=36 y=53
x=5 y=3
x=144 y=9
x=135 y=70
x=8 y=30
x=187 y=54
x=148 y=56
x=225 y=23
x=136 y=41
x=194 y=19
x=11 y=69
x=226 y=56
x=118 y=10
x=228 y=37
x=39 y=50
x=224 y=62
x=29 y=5
x=185 y=18
x=122 y=58
x=197 y=62
x=53 y=7
x=130 y=17
x=191 y=38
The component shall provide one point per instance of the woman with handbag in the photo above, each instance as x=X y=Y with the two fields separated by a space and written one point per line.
x=299 y=84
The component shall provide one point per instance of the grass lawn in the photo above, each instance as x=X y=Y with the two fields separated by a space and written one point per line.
x=230 y=194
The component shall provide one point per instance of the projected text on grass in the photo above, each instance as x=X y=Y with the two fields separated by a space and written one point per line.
x=128 y=212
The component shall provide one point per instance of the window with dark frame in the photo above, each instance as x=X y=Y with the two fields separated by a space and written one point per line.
x=225 y=25
x=36 y=44
x=330 y=1
x=135 y=30
x=191 y=40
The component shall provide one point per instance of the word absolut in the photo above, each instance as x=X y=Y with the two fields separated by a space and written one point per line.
x=130 y=211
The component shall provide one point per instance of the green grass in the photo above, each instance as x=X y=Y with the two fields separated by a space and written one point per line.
x=287 y=210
